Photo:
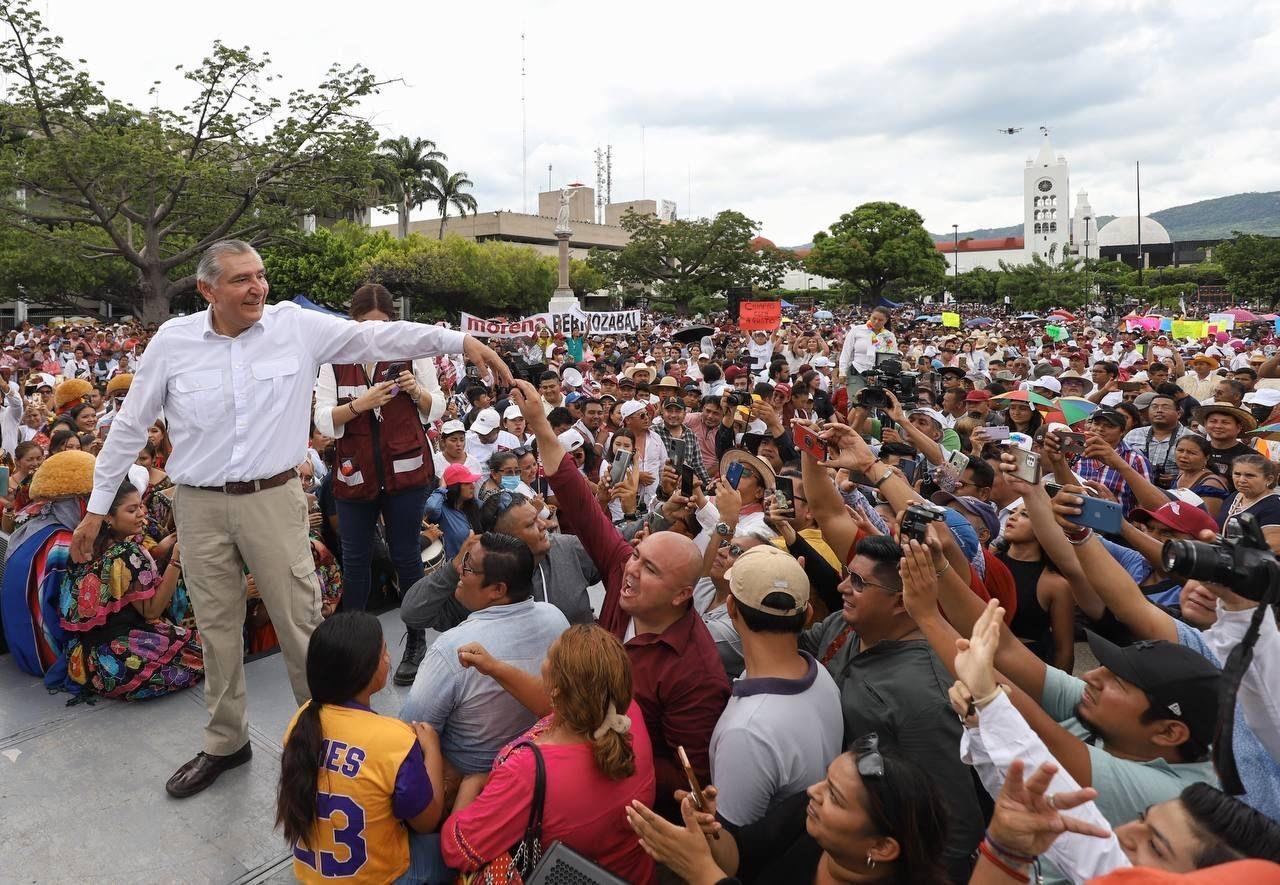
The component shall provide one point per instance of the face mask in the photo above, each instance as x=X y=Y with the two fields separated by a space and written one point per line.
x=511 y=483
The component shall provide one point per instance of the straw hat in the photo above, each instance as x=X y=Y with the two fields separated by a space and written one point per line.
x=750 y=460
x=1246 y=419
x=70 y=391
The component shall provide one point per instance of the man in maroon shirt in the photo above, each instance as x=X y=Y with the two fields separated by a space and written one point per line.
x=676 y=673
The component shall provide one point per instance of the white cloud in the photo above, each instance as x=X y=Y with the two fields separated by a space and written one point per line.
x=791 y=113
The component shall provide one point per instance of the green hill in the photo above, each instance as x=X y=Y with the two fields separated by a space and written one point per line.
x=1251 y=213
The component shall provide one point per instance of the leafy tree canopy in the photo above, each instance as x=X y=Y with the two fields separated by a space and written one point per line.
x=684 y=259
x=876 y=246
x=1251 y=265
x=154 y=187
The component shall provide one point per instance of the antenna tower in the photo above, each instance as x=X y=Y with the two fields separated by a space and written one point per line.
x=599 y=186
x=608 y=174
x=524 y=136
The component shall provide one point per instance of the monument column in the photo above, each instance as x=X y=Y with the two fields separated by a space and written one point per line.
x=562 y=299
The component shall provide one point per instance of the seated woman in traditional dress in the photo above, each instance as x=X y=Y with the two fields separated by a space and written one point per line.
x=120 y=645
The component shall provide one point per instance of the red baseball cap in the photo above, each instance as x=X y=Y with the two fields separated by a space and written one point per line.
x=977 y=396
x=1180 y=516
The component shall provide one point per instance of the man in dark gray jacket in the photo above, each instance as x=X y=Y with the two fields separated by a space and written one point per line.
x=562 y=569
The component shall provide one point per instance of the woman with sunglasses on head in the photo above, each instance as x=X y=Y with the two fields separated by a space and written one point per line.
x=876 y=817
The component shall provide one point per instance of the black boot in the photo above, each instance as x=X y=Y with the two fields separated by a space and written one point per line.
x=415 y=648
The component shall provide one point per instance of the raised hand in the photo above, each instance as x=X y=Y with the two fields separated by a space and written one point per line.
x=1027 y=821
x=975 y=658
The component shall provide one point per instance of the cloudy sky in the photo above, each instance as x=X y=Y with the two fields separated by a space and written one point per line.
x=791 y=113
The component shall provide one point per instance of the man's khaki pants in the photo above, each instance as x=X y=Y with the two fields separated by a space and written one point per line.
x=219 y=535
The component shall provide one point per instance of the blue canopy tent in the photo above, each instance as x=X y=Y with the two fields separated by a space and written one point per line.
x=304 y=302
x=822 y=315
x=885 y=302
x=786 y=303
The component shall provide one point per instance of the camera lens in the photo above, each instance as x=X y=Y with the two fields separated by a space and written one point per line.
x=1196 y=559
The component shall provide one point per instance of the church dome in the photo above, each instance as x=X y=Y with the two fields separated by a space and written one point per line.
x=1123 y=231
x=758 y=243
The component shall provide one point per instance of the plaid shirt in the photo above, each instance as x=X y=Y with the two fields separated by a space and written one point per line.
x=1093 y=470
x=692 y=453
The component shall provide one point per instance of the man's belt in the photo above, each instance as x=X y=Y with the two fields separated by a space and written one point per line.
x=249 y=486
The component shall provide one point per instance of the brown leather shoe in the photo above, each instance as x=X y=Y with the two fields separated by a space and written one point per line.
x=203 y=770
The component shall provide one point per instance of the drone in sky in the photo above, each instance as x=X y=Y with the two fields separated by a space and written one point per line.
x=1009 y=130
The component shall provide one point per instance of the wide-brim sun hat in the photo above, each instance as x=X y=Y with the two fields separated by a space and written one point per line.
x=1246 y=419
x=759 y=466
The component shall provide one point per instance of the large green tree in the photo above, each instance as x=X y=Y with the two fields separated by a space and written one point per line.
x=1041 y=286
x=1251 y=264
x=447 y=189
x=684 y=259
x=405 y=170
x=154 y=187
x=878 y=247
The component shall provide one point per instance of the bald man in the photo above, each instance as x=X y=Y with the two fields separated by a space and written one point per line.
x=676 y=674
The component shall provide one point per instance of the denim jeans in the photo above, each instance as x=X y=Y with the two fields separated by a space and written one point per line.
x=402 y=522
x=426 y=864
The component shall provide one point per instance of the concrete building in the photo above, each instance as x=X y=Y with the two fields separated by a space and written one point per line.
x=983 y=253
x=538 y=231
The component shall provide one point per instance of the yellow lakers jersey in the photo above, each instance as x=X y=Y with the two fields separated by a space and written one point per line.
x=357 y=838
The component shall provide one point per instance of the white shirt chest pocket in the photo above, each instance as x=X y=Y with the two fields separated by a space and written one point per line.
x=272 y=378
x=197 y=397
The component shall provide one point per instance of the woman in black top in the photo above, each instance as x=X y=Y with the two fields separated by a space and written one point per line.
x=1043 y=619
x=876 y=813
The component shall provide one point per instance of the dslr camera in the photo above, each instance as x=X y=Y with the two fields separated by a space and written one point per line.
x=1241 y=560
x=887 y=375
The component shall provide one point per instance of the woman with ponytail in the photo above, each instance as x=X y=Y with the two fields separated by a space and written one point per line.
x=595 y=750
x=356 y=787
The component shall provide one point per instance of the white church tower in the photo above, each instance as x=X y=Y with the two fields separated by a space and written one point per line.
x=1046 y=218
x=1084 y=228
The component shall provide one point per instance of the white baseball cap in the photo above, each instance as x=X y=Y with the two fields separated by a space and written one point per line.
x=1266 y=396
x=572 y=377
x=512 y=412
x=451 y=427
x=571 y=440
x=1048 y=382
x=486 y=422
x=630 y=407
x=933 y=414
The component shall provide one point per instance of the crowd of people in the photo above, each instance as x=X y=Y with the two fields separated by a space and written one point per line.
x=849 y=567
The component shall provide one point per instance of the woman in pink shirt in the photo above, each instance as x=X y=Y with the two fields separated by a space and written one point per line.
x=597 y=761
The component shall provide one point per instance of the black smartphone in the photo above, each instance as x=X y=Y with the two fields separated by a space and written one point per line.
x=784 y=495
x=687 y=478
x=1070 y=444
x=676 y=450
x=394 y=370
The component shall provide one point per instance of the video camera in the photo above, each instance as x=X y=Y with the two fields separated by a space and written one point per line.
x=887 y=375
x=1241 y=560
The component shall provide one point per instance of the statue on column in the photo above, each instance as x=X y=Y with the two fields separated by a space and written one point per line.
x=562 y=217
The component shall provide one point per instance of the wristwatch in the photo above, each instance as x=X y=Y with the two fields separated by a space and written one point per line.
x=723 y=530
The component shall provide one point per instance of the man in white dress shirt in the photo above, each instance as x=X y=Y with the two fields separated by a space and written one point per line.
x=235 y=385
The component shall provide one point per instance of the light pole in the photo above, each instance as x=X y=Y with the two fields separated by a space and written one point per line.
x=1087 y=292
x=955 y=248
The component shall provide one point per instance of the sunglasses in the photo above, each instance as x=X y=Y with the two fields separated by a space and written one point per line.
x=859 y=584
x=466 y=565
x=866 y=751
x=734 y=550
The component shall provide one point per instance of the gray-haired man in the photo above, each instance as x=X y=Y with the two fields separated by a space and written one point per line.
x=235 y=385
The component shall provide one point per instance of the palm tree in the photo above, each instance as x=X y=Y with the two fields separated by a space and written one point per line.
x=405 y=169
x=448 y=189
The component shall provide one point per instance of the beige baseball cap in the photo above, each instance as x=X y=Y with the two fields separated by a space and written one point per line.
x=764 y=570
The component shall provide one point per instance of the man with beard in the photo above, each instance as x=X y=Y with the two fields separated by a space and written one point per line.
x=674 y=433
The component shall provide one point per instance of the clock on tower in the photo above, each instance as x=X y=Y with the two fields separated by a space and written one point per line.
x=1045 y=185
